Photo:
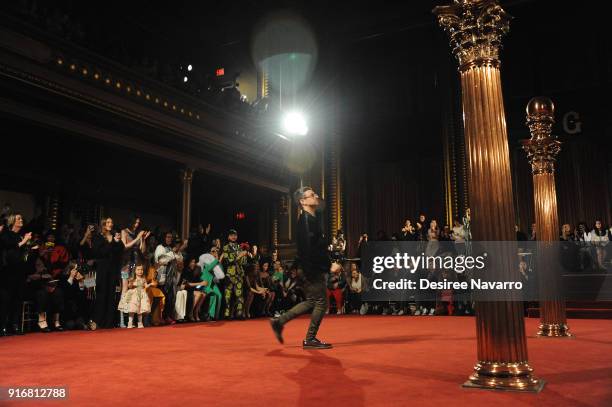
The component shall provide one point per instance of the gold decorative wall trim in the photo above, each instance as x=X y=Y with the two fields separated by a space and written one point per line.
x=199 y=134
x=126 y=87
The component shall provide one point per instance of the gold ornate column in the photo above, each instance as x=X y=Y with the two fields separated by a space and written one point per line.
x=475 y=28
x=450 y=177
x=542 y=150
x=335 y=187
x=275 y=239
x=53 y=212
x=186 y=179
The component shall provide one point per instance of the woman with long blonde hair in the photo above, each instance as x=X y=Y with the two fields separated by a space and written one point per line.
x=107 y=249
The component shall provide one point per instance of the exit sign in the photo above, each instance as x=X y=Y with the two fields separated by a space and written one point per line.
x=220 y=72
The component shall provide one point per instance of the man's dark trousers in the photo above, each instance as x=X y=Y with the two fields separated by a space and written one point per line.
x=316 y=300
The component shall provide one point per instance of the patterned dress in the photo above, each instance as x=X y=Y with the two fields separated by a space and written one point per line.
x=137 y=298
x=234 y=297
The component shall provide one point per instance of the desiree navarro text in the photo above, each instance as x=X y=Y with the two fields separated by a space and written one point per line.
x=425 y=284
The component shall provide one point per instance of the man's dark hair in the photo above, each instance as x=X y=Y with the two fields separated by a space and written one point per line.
x=299 y=193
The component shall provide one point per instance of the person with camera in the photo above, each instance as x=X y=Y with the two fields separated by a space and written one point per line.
x=312 y=258
x=15 y=245
x=72 y=282
x=408 y=232
x=107 y=250
x=338 y=246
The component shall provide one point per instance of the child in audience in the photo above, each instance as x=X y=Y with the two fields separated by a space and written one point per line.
x=137 y=298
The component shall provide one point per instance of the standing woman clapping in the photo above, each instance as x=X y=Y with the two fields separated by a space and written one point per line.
x=107 y=249
x=15 y=245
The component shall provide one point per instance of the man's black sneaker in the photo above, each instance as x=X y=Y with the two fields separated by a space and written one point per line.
x=277 y=327
x=315 y=344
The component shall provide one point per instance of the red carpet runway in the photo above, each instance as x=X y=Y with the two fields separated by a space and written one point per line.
x=377 y=361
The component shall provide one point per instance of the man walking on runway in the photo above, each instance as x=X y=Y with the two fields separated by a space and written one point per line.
x=312 y=258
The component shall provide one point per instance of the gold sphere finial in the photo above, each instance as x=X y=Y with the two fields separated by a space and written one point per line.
x=540 y=106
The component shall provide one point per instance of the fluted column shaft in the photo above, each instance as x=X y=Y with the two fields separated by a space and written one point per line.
x=335 y=190
x=475 y=28
x=500 y=327
x=542 y=150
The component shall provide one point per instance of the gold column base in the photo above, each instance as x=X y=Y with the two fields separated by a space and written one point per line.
x=504 y=376
x=554 y=331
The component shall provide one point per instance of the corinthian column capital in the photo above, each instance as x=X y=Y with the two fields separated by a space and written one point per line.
x=542 y=148
x=475 y=28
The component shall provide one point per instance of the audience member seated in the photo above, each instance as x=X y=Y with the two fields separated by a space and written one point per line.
x=335 y=289
x=292 y=291
x=212 y=275
x=72 y=283
x=265 y=279
x=48 y=296
x=55 y=255
x=155 y=293
x=278 y=277
x=180 y=303
x=255 y=288
x=191 y=280
x=356 y=287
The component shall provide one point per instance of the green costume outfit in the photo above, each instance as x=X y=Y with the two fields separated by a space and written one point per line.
x=234 y=279
x=211 y=289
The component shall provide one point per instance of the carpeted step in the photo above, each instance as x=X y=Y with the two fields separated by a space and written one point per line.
x=590 y=304
x=585 y=312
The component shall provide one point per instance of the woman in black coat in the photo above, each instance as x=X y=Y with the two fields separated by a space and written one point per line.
x=15 y=247
x=107 y=249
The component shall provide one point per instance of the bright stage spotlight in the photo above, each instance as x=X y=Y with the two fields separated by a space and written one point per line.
x=295 y=124
x=185 y=79
x=189 y=67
